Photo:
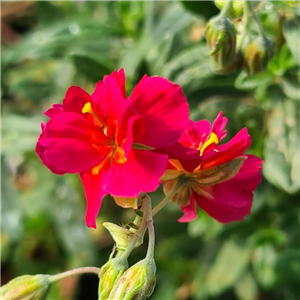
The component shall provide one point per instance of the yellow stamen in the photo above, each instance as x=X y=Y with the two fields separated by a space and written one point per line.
x=87 y=109
x=213 y=139
x=120 y=156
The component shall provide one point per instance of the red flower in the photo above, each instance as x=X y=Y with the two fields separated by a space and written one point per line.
x=109 y=139
x=221 y=180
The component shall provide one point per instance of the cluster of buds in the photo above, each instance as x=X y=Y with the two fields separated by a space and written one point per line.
x=116 y=280
x=137 y=282
x=253 y=54
x=27 y=287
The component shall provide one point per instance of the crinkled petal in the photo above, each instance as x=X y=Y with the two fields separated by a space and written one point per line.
x=189 y=158
x=218 y=127
x=224 y=153
x=75 y=99
x=163 y=108
x=70 y=155
x=40 y=150
x=120 y=79
x=141 y=173
x=195 y=134
x=74 y=126
x=232 y=200
x=54 y=110
x=94 y=194
x=189 y=211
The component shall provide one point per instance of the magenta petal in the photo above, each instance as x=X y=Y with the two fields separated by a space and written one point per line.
x=219 y=125
x=70 y=155
x=74 y=126
x=141 y=173
x=119 y=78
x=75 y=99
x=40 y=150
x=232 y=199
x=54 y=110
x=224 y=153
x=195 y=134
x=189 y=211
x=94 y=194
x=163 y=108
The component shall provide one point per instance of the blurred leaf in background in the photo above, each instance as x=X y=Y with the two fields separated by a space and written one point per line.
x=48 y=46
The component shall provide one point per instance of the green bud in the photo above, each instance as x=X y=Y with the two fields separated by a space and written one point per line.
x=257 y=55
x=221 y=39
x=236 y=9
x=27 y=287
x=109 y=274
x=136 y=283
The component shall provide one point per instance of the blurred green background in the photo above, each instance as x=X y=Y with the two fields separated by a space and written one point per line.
x=49 y=46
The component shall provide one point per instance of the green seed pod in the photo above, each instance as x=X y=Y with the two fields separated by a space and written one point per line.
x=136 y=283
x=27 y=287
x=109 y=274
x=221 y=39
x=257 y=55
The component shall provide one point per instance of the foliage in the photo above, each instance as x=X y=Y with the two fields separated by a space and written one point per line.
x=64 y=43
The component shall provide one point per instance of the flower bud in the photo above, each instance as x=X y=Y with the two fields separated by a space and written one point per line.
x=109 y=274
x=27 y=287
x=136 y=283
x=221 y=39
x=236 y=9
x=257 y=55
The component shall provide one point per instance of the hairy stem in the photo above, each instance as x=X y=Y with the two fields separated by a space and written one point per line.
x=225 y=9
x=248 y=8
x=167 y=199
x=77 y=271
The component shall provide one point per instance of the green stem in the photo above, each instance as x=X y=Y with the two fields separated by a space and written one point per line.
x=225 y=10
x=140 y=232
x=78 y=271
x=168 y=198
x=149 y=220
x=249 y=12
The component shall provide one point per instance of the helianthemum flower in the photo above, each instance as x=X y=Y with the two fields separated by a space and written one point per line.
x=221 y=180
x=111 y=141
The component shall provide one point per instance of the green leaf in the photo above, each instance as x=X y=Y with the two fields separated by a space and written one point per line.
x=92 y=69
x=11 y=211
x=291 y=33
x=19 y=133
x=247 y=82
x=203 y=8
x=264 y=261
x=246 y=288
x=282 y=163
x=230 y=264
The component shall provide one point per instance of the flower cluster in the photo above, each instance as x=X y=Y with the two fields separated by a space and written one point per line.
x=124 y=146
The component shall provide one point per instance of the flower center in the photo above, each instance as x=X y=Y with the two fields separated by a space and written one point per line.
x=119 y=155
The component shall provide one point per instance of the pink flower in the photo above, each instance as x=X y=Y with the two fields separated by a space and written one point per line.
x=110 y=140
x=221 y=180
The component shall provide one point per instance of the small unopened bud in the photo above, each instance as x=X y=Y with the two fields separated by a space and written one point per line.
x=257 y=55
x=109 y=274
x=221 y=39
x=27 y=287
x=136 y=283
x=236 y=9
